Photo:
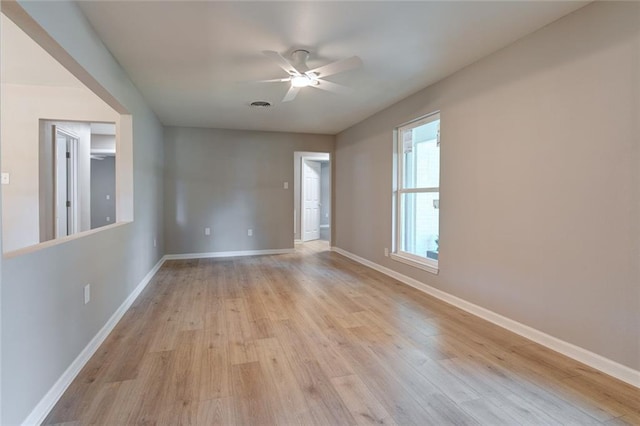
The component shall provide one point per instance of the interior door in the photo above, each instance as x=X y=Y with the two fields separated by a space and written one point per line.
x=65 y=183
x=310 y=200
x=61 y=185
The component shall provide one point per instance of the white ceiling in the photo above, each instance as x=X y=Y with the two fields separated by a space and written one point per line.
x=192 y=60
x=103 y=129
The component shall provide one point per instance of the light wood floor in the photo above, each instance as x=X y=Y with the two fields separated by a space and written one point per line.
x=313 y=338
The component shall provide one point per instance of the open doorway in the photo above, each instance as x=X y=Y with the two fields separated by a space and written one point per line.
x=312 y=197
x=65 y=182
x=77 y=177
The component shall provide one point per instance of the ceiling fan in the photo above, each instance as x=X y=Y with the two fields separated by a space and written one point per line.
x=301 y=76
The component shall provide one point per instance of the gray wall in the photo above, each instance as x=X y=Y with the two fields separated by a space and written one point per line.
x=325 y=193
x=45 y=324
x=231 y=181
x=103 y=183
x=540 y=185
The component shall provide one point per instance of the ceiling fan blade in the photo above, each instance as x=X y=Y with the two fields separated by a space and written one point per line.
x=332 y=87
x=337 y=67
x=291 y=94
x=273 y=80
x=282 y=62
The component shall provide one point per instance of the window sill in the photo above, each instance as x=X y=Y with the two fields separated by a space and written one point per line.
x=57 y=241
x=429 y=267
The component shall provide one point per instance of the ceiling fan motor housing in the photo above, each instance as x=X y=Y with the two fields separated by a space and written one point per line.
x=300 y=58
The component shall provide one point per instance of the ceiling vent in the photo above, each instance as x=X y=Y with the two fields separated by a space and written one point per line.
x=260 y=104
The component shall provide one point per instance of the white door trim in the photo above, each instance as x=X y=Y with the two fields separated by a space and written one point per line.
x=71 y=191
x=299 y=157
x=306 y=162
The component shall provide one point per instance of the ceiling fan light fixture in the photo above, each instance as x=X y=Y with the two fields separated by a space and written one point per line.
x=300 y=76
x=301 y=81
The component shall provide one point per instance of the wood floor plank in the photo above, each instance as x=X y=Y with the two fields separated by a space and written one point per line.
x=251 y=394
x=152 y=391
x=127 y=400
x=257 y=312
x=168 y=322
x=398 y=398
x=364 y=407
x=312 y=338
x=177 y=413
x=215 y=412
x=488 y=413
x=308 y=335
x=214 y=373
x=100 y=405
x=187 y=368
x=510 y=384
x=290 y=405
x=241 y=338
x=323 y=401
x=444 y=411
x=529 y=375
x=195 y=293
x=274 y=304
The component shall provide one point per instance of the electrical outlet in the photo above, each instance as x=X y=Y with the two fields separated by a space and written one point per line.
x=5 y=178
x=286 y=185
x=108 y=219
x=87 y=293
x=155 y=243
x=250 y=232
x=108 y=197
x=207 y=231
x=386 y=252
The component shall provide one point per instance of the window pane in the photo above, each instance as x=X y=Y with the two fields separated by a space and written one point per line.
x=420 y=221
x=421 y=155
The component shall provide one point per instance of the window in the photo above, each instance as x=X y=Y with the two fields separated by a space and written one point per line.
x=417 y=194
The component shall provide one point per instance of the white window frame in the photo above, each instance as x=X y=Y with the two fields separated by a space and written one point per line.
x=424 y=263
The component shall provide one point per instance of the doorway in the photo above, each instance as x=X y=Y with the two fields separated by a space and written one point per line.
x=65 y=183
x=77 y=177
x=312 y=196
x=311 y=171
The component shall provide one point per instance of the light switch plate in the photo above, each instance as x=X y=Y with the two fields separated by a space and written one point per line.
x=286 y=185
x=5 y=178
x=207 y=231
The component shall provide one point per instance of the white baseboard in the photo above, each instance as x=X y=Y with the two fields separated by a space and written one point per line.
x=297 y=241
x=607 y=366
x=40 y=412
x=619 y=371
x=227 y=254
